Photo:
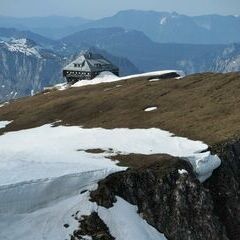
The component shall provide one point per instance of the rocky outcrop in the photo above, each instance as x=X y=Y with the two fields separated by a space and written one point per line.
x=168 y=196
x=224 y=187
x=93 y=226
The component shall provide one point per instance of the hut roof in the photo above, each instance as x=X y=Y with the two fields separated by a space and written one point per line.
x=90 y=62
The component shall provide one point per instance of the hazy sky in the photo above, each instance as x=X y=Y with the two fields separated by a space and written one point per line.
x=100 y=8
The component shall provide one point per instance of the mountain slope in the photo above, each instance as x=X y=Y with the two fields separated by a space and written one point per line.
x=26 y=68
x=115 y=125
x=187 y=107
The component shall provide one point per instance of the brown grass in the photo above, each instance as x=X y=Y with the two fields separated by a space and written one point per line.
x=144 y=161
x=201 y=106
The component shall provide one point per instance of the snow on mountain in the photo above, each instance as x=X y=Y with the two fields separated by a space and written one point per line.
x=123 y=220
x=163 y=20
x=43 y=170
x=150 y=109
x=26 y=66
x=3 y=124
x=105 y=77
x=22 y=46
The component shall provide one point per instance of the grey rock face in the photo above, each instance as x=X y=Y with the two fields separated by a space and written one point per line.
x=224 y=186
x=175 y=203
x=93 y=226
x=24 y=71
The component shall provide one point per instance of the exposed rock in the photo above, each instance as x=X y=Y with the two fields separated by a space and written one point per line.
x=224 y=186
x=169 y=198
x=92 y=226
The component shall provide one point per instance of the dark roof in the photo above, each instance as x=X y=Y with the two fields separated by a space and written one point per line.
x=91 y=62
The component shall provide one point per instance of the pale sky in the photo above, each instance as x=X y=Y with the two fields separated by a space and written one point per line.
x=93 y=9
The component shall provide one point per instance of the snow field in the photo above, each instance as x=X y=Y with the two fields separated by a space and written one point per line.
x=43 y=171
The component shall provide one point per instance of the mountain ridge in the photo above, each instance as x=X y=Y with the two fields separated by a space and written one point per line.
x=159 y=26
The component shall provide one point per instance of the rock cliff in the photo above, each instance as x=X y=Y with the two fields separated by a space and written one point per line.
x=169 y=197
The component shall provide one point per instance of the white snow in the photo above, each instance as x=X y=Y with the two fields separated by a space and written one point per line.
x=47 y=222
x=124 y=222
x=3 y=124
x=103 y=77
x=47 y=152
x=154 y=80
x=153 y=74
x=50 y=152
x=59 y=86
x=106 y=77
x=163 y=21
x=149 y=109
x=20 y=45
x=182 y=171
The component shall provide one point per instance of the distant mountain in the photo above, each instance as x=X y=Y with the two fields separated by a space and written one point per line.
x=148 y=55
x=26 y=68
x=168 y=27
x=51 y=27
x=163 y=27
x=6 y=33
x=126 y=67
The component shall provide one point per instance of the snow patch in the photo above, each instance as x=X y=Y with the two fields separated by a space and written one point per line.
x=43 y=172
x=59 y=86
x=182 y=171
x=47 y=152
x=47 y=223
x=37 y=194
x=163 y=21
x=103 y=77
x=154 y=80
x=21 y=45
x=125 y=223
x=149 y=109
x=3 y=124
x=106 y=77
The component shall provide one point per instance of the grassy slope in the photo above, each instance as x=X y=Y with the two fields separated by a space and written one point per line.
x=201 y=106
